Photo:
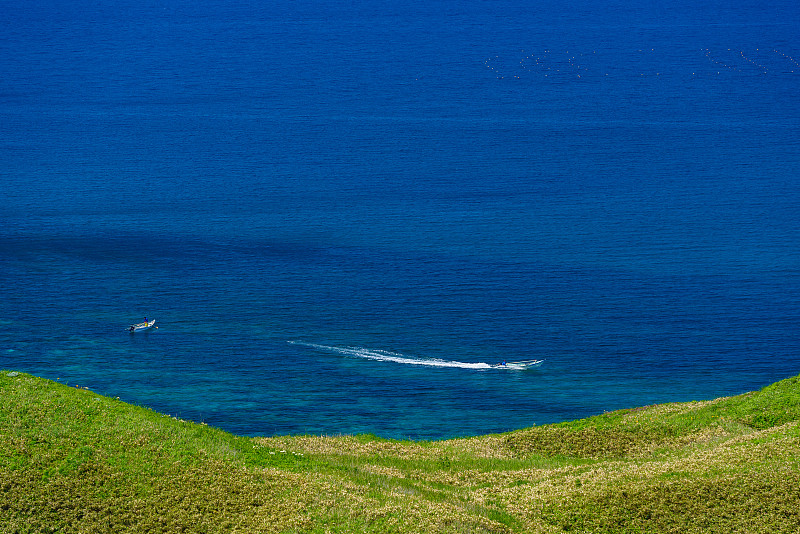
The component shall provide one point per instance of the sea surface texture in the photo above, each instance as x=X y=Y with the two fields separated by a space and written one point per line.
x=342 y=214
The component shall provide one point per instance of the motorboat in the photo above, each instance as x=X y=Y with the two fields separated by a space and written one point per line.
x=142 y=327
x=520 y=365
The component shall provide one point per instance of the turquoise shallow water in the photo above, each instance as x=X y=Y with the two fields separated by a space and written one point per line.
x=340 y=216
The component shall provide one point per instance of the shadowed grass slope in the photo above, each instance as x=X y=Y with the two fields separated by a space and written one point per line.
x=75 y=461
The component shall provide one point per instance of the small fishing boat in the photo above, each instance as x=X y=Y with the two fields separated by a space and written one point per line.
x=519 y=365
x=142 y=327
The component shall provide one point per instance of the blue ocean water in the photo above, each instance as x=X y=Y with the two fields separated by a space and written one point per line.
x=340 y=212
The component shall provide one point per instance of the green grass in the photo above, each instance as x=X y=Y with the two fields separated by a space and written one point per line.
x=75 y=461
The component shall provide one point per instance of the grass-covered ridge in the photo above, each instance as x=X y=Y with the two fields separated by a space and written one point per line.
x=75 y=461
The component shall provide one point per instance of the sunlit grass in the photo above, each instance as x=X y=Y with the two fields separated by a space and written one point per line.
x=75 y=461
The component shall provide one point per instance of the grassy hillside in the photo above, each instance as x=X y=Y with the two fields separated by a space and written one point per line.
x=75 y=461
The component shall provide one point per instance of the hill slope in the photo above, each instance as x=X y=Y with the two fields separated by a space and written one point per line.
x=75 y=461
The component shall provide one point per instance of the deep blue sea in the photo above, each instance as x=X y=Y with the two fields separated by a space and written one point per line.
x=339 y=212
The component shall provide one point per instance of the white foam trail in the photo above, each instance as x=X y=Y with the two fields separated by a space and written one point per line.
x=396 y=357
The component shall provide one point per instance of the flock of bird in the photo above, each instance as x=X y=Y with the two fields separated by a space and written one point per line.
x=758 y=59
x=643 y=62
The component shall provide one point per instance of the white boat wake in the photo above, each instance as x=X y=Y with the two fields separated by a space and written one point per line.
x=396 y=357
